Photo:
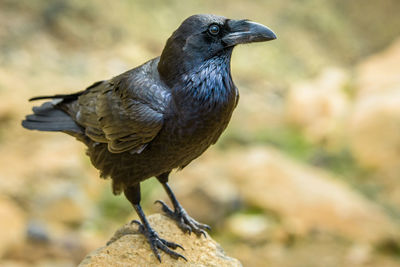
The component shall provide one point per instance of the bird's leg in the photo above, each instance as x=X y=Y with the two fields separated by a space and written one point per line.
x=185 y=222
x=132 y=193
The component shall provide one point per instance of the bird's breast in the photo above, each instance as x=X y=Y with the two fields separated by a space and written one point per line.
x=201 y=106
x=200 y=116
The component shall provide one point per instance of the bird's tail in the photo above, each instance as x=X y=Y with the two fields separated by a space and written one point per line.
x=51 y=117
x=48 y=117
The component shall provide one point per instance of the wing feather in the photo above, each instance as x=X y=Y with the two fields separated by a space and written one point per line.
x=125 y=112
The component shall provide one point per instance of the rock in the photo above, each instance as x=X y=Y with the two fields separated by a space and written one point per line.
x=374 y=131
x=306 y=198
x=133 y=249
x=359 y=254
x=63 y=203
x=12 y=225
x=12 y=263
x=374 y=124
x=249 y=227
x=319 y=106
x=265 y=107
x=379 y=72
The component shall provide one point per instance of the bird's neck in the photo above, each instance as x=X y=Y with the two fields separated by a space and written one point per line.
x=206 y=88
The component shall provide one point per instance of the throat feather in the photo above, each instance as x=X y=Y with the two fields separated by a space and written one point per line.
x=209 y=86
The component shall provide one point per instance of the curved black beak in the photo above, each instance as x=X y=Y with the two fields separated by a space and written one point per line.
x=245 y=31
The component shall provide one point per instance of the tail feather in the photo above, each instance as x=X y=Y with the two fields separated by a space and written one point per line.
x=65 y=97
x=49 y=118
x=39 y=118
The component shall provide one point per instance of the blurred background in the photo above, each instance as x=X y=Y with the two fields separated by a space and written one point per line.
x=307 y=173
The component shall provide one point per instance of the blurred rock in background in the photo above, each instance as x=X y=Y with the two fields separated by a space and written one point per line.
x=319 y=107
x=307 y=173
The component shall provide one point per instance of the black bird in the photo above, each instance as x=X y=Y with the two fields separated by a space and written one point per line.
x=159 y=116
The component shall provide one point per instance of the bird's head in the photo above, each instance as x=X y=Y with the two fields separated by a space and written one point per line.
x=203 y=37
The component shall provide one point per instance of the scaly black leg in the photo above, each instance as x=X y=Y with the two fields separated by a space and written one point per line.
x=133 y=195
x=185 y=222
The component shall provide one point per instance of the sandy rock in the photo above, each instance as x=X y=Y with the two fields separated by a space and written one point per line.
x=379 y=72
x=12 y=225
x=133 y=250
x=249 y=227
x=319 y=106
x=306 y=198
x=11 y=263
x=303 y=198
x=265 y=108
x=374 y=124
x=64 y=204
x=374 y=130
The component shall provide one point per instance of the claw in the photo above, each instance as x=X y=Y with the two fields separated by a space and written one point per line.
x=173 y=254
x=184 y=221
x=164 y=207
x=179 y=246
x=202 y=232
x=136 y=222
x=171 y=244
x=155 y=251
x=156 y=243
x=204 y=226
x=140 y=225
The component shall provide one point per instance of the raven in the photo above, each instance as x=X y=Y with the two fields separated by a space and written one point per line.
x=159 y=116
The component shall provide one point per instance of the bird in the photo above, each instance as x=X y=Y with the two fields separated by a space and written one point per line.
x=157 y=117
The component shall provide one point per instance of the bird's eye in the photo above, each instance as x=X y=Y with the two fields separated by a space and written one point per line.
x=213 y=29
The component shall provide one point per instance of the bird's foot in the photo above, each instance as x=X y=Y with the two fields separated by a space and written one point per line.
x=157 y=243
x=185 y=222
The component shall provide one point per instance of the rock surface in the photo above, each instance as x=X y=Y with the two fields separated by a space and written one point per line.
x=12 y=225
x=307 y=198
x=379 y=72
x=304 y=198
x=133 y=250
x=374 y=124
x=319 y=106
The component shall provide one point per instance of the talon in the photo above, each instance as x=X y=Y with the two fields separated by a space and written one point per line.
x=140 y=225
x=184 y=221
x=164 y=207
x=171 y=244
x=156 y=243
x=159 y=201
x=157 y=255
x=202 y=232
x=179 y=246
x=135 y=222
x=173 y=254
x=183 y=257
x=187 y=229
x=203 y=226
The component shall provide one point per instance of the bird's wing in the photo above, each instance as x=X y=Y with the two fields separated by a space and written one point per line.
x=125 y=112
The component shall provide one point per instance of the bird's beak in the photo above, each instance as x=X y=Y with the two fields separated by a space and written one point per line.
x=245 y=31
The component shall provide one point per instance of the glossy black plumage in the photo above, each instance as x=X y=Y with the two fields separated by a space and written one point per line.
x=159 y=116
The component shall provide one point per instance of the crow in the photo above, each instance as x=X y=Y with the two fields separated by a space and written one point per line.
x=159 y=116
